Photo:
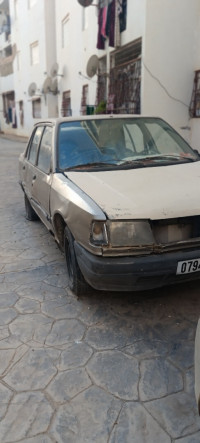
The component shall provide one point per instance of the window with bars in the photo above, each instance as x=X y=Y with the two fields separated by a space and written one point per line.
x=123 y=95
x=36 y=108
x=195 y=100
x=102 y=81
x=84 y=100
x=66 y=104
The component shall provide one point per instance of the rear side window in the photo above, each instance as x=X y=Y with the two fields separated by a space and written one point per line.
x=44 y=157
x=32 y=154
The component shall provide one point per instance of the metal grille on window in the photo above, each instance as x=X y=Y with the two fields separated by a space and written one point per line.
x=195 y=100
x=84 y=100
x=66 y=104
x=101 y=81
x=123 y=95
x=125 y=77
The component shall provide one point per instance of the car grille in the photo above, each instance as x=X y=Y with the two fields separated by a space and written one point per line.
x=171 y=231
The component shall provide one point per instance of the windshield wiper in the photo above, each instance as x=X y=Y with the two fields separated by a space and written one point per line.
x=141 y=161
x=170 y=157
x=135 y=162
x=90 y=164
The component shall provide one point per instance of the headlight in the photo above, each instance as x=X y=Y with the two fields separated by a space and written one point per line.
x=130 y=233
x=122 y=233
x=99 y=233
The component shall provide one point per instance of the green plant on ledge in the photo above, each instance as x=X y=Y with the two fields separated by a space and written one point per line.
x=101 y=108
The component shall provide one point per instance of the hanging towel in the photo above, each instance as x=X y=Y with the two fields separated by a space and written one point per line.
x=104 y=19
x=100 y=38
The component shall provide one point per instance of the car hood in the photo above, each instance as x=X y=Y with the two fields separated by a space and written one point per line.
x=151 y=193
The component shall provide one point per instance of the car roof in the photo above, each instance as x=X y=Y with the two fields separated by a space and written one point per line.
x=58 y=120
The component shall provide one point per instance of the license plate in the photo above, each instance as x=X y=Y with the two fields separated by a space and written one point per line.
x=188 y=266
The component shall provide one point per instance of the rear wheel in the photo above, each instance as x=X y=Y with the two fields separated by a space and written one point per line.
x=30 y=213
x=77 y=282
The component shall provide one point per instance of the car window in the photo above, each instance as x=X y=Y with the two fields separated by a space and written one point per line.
x=134 y=138
x=75 y=145
x=165 y=141
x=44 y=157
x=129 y=142
x=32 y=153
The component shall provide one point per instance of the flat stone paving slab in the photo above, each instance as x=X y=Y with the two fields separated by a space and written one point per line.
x=105 y=368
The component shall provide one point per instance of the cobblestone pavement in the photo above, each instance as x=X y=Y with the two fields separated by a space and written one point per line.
x=106 y=368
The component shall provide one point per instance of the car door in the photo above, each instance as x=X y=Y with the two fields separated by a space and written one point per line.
x=41 y=182
x=29 y=164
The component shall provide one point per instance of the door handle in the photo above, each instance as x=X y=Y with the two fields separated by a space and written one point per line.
x=33 y=179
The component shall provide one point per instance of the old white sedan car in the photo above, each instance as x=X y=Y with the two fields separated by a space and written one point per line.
x=120 y=194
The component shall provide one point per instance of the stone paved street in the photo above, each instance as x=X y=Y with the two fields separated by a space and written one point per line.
x=105 y=368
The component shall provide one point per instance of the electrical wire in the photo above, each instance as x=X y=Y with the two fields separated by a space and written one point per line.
x=163 y=87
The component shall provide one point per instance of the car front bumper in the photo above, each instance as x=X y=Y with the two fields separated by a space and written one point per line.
x=134 y=273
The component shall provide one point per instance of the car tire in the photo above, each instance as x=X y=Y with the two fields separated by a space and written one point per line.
x=30 y=213
x=77 y=282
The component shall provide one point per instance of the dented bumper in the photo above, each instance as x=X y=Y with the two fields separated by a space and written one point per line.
x=134 y=273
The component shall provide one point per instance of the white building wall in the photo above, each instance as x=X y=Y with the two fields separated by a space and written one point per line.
x=170 y=56
x=136 y=15
x=6 y=84
x=73 y=56
x=29 y=25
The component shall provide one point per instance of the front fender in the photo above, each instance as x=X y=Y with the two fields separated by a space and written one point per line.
x=76 y=208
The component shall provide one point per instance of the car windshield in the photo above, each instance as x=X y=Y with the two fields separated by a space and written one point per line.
x=120 y=143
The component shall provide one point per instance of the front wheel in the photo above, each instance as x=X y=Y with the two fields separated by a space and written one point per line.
x=77 y=282
x=30 y=213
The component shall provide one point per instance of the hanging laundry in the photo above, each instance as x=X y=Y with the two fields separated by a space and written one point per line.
x=122 y=15
x=100 y=38
x=10 y=115
x=104 y=19
x=110 y=24
x=117 y=37
x=14 y=118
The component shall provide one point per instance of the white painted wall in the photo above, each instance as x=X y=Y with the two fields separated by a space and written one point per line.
x=170 y=56
x=136 y=15
x=73 y=57
x=28 y=26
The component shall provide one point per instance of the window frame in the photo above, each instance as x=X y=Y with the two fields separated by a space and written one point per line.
x=41 y=127
x=38 y=101
x=47 y=172
x=195 y=100
x=66 y=109
x=35 y=57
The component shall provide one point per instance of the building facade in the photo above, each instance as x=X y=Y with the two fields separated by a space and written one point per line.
x=60 y=58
